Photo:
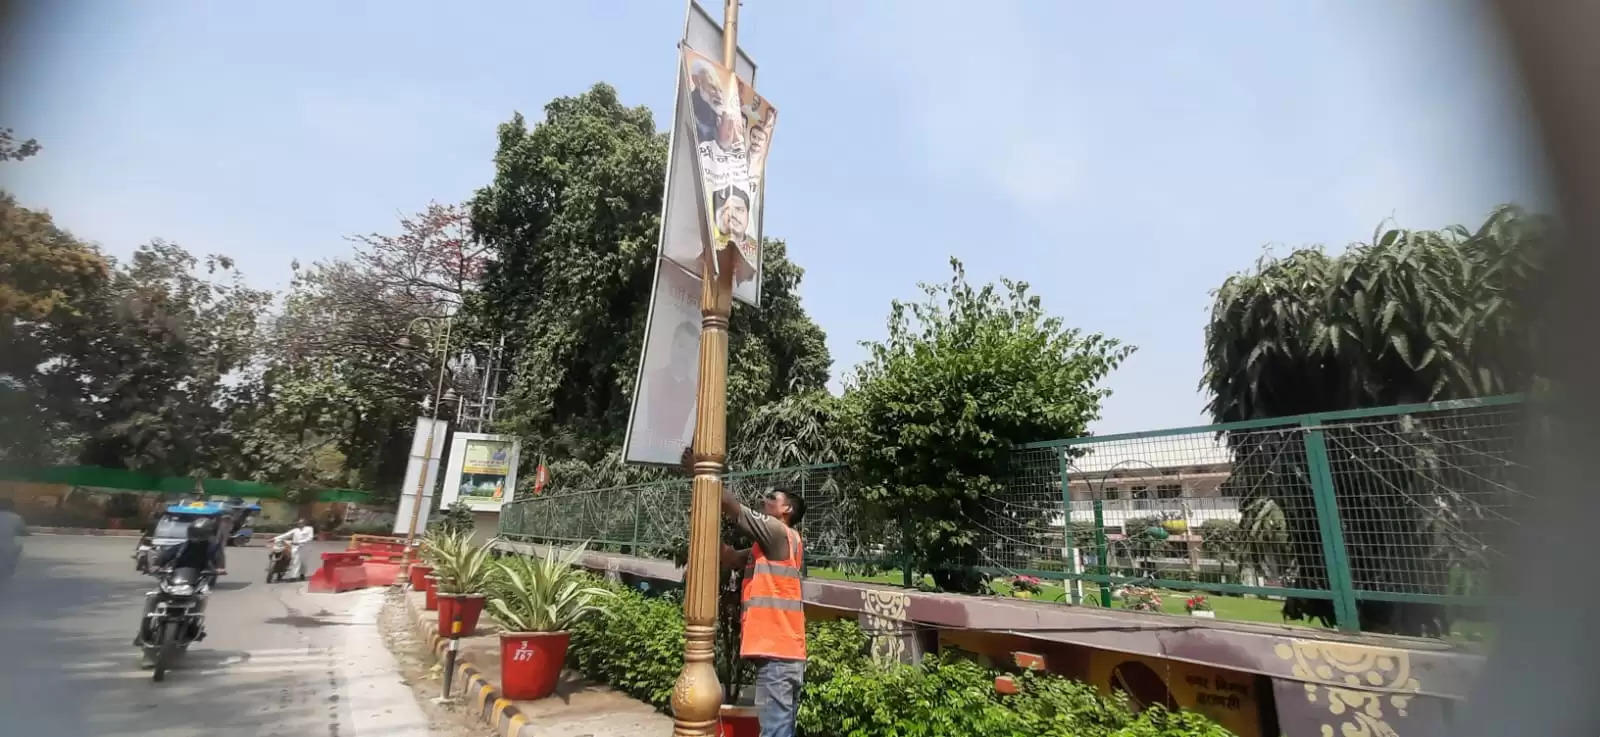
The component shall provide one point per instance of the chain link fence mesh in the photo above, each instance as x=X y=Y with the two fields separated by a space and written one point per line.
x=1348 y=512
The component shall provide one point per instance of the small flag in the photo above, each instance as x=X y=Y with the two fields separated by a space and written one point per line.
x=541 y=477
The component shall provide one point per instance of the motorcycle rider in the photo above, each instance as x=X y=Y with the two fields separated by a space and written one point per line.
x=200 y=552
x=301 y=534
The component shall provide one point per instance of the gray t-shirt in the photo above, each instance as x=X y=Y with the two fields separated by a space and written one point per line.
x=768 y=532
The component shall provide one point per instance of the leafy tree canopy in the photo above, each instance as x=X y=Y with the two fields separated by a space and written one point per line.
x=1413 y=316
x=334 y=397
x=570 y=224
x=960 y=379
x=141 y=370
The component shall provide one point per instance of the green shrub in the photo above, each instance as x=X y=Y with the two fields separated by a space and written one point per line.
x=639 y=650
x=457 y=519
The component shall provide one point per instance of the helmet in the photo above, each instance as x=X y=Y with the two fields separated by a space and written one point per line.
x=202 y=529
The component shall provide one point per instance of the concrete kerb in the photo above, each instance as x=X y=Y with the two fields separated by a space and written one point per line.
x=496 y=711
x=85 y=531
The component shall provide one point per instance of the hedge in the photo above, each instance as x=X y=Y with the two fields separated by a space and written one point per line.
x=638 y=649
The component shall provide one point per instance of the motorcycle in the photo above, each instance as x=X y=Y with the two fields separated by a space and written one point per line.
x=277 y=561
x=176 y=617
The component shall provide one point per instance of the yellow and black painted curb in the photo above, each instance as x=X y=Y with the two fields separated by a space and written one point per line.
x=481 y=693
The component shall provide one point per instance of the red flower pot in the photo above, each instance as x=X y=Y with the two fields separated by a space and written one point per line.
x=530 y=663
x=431 y=601
x=417 y=574
x=738 y=721
x=469 y=606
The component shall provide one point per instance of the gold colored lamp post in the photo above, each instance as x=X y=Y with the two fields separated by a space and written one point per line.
x=697 y=698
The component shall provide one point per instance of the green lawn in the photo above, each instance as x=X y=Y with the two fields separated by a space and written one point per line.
x=1229 y=608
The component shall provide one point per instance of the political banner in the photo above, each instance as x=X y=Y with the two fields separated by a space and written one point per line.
x=732 y=128
x=661 y=420
x=684 y=231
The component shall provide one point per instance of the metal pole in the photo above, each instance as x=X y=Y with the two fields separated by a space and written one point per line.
x=1069 y=548
x=697 y=698
x=1101 y=549
x=450 y=652
x=427 y=451
x=1335 y=558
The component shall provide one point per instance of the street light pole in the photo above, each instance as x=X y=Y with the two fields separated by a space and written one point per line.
x=697 y=698
x=433 y=423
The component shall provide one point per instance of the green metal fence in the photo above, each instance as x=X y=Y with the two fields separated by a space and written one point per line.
x=1348 y=512
x=653 y=519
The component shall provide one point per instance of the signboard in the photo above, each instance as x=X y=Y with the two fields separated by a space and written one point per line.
x=661 y=420
x=1228 y=697
x=424 y=462
x=482 y=471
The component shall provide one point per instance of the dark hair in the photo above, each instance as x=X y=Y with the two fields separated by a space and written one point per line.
x=721 y=196
x=797 y=507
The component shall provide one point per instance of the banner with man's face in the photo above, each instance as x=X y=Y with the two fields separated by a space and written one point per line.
x=732 y=129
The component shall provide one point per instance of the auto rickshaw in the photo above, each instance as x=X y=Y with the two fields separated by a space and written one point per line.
x=172 y=527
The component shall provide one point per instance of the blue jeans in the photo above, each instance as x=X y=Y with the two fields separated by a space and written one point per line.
x=778 y=695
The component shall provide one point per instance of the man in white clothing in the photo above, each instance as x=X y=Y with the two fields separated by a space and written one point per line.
x=297 y=536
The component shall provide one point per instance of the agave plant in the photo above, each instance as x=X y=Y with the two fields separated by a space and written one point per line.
x=545 y=593
x=462 y=567
x=438 y=546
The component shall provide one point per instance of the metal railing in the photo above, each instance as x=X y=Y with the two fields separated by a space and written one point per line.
x=1344 y=510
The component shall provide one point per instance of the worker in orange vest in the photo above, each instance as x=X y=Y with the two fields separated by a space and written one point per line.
x=774 y=614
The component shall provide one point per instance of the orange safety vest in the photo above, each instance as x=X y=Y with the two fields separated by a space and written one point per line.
x=774 y=613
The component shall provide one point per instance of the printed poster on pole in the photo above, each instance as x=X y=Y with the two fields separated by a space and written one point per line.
x=661 y=420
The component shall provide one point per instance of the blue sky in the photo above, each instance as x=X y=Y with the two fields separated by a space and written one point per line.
x=1122 y=160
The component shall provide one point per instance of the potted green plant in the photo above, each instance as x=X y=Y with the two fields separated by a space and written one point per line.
x=423 y=556
x=538 y=599
x=437 y=546
x=1199 y=606
x=464 y=574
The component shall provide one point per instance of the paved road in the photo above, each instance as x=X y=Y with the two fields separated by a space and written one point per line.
x=277 y=661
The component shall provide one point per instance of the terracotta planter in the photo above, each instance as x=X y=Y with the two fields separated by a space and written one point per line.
x=530 y=663
x=469 y=606
x=431 y=601
x=738 y=721
x=417 y=574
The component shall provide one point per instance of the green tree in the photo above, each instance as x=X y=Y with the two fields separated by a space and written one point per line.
x=12 y=149
x=570 y=222
x=797 y=430
x=45 y=276
x=935 y=409
x=1413 y=316
x=333 y=399
x=1221 y=539
x=142 y=369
